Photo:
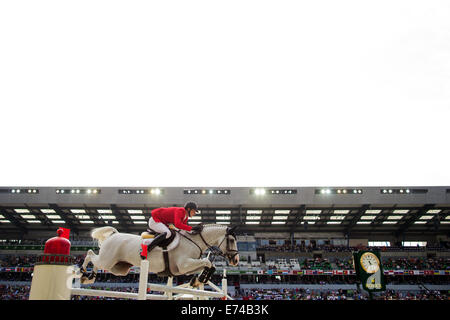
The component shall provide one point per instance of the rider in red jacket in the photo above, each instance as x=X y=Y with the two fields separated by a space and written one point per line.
x=162 y=217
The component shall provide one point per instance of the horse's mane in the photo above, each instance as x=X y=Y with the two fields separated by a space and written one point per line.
x=212 y=225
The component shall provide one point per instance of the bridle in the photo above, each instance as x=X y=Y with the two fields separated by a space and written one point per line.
x=230 y=253
x=215 y=250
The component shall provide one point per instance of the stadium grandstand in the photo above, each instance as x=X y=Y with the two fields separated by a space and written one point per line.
x=295 y=243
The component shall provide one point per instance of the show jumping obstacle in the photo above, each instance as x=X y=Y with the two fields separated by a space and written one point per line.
x=54 y=274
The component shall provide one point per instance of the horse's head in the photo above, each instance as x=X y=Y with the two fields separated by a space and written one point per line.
x=229 y=246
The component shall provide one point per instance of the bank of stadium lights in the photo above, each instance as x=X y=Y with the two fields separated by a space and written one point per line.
x=339 y=191
x=259 y=192
x=207 y=191
x=91 y=191
x=263 y=191
x=404 y=191
x=24 y=191
x=153 y=191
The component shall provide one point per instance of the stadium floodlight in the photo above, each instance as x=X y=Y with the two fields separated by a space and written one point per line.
x=108 y=217
x=82 y=217
x=341 y=211
x=28 y=216
x=394 y=217
x=48 y=211
x=211 y=191
x=260 y=191
x=311 y=218
x=434 y=211
x=280 y=217
x=426 y=217
x=53 y=216
x=368 y=217
x=104 y=211
x=282 y=211
x=134 y=211
x=223 y=211
x=22 y=210
x=401 y=211
x=254 y=211
x=373 y=211
x=337 y=217
x=78 y=210
x=137 y=217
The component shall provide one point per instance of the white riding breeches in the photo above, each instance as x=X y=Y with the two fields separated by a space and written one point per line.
x=159 y=227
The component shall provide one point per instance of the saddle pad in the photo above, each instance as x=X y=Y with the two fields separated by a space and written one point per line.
x=146 y=235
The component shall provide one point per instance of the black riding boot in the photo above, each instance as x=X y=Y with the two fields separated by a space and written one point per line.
x=158 y=239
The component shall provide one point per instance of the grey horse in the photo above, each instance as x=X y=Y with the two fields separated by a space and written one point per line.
x=120 y=251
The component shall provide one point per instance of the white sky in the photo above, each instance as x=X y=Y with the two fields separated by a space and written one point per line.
x=224 y=93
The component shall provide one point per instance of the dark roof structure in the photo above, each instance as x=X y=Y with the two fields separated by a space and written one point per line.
x=347 y=210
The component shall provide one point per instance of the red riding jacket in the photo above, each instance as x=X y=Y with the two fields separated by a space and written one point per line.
x=174 y=215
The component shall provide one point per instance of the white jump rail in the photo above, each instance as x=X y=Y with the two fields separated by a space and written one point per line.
x=168 y=290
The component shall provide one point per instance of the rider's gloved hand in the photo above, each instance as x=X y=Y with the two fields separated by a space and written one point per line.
x=197 y=228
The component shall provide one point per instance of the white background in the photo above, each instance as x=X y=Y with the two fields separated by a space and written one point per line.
x=224 y=93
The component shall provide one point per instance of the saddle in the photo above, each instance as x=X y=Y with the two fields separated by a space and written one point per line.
x=166 y=245
x=150 y=234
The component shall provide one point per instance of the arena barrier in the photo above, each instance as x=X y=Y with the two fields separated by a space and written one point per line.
x=182 y=292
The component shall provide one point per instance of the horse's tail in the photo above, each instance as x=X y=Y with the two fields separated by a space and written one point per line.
x=101 y=234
